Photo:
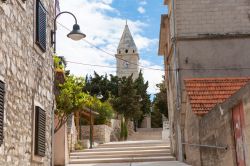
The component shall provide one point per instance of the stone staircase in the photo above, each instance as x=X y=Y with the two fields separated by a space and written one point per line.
x=143 y=148
x=124 y=152
x=146 y=134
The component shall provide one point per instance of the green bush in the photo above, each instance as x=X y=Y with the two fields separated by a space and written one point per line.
x=124 y=131
x=79 y=146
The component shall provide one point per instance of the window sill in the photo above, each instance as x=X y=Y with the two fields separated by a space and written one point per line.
x=37 y=159
x=39 y=50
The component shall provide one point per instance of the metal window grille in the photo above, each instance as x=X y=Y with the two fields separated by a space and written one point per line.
x=40 y=129
x=41 y=25
x=2 y=92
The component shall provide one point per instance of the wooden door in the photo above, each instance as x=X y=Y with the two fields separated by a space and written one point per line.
x=238 y=125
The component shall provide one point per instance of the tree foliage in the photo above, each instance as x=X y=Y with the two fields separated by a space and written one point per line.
x=99 y=84
x=156 y=119
x=141 y=88
x=111 y=90
x=160 y=101
x=128 y=102
x=70 y=96
x=69 y=99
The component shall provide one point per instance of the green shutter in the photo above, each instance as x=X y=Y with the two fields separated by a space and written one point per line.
x=41 y=25
x=2 y=92
x=40 y=129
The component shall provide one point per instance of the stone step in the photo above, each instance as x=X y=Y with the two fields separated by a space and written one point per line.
x=117 y=151
x=121 y=160
x=146 y=135
x=133 y=143
x=156 y=163
x=127 y=146
x=149 y=129
x=120 y=155
x=163 y=147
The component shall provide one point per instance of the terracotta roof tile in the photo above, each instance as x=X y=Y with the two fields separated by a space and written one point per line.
x=205 y=93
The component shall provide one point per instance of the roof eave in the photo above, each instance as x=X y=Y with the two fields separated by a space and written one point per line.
x=166 y=2
x=162 y=40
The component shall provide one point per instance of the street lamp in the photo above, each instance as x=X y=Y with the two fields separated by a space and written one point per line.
x=75 y=34
x=99 y=96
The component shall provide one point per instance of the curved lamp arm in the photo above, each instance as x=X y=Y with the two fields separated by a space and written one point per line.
x=75 y=31
x=64 y=13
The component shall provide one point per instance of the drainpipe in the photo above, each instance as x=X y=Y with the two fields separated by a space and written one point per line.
x=177 y=85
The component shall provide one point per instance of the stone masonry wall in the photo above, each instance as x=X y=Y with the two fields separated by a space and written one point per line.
x=203 y=21
x=195 y=17
x=28 y=77
x=246 y=107
x=191 y=136
x=217 y=130
x=116 y=126
x=101 y=133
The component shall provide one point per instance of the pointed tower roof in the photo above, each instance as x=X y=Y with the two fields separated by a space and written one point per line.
x=127 y=41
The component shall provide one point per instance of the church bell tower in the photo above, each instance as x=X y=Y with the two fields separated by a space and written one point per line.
x=127 y=57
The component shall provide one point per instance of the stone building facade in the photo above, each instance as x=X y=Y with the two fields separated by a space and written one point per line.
x=201 y=38
x=26 y=71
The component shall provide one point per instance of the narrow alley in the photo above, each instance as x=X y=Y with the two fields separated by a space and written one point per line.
x=143 y=148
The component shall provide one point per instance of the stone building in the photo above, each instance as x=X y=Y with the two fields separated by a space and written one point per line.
x=127 y=57
x=26 y=82
x=211 y=121
x=227 y=125
x=201 y=39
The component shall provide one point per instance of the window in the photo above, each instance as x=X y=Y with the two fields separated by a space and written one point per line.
x=2 y=92
x=40 y=25
x=126 y=51
x=40 y=129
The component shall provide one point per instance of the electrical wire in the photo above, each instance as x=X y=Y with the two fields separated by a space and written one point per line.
x=181 y=69
x=86 y=64
x=144 y=67
x=110 y=54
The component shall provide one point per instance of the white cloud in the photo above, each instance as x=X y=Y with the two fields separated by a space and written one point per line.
x=153 y=76
x=141 y=10
x=103 y=31
x=143 y=2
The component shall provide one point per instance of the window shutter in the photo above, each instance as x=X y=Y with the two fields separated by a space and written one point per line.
x=41 y=26
x=2 y=92
x=40 y=127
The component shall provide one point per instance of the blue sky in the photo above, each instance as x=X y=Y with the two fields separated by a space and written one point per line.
x=103 y=22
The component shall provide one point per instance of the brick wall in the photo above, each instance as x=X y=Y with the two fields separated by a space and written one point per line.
x=214 y=17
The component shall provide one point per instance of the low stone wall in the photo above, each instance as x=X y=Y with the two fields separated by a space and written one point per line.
x=116 y=129
x=71 y=133
x=116 y=126
x=101 y=133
